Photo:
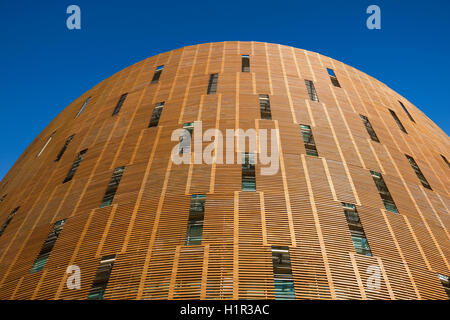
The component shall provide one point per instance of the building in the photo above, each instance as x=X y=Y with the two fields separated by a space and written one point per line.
x=358 y=207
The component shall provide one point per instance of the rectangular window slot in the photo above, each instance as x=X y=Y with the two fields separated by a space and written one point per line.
x=282 y=273
x=407 y=112
x=359 y=238
x=418 y=172
x=369 y=128
x=156 y=114
x=119 y=104
x=264 y=107
x=46 y=144
x=75 y=165
x=101 y=279
x=311 y=90
x=397 y=120
x=112 y=187
x=245 y=63
x=445 y=160
x=445 y=280
x=308 y=139
x=248 y=172
x=8 y=220
x=47 y=248
x=385 y=195
x=333 y=78
x=185 y=140
x=157 y=74
x=66 y=144
x=194 y=230
x=212 y=85
x=82 y=108
x=3 y=198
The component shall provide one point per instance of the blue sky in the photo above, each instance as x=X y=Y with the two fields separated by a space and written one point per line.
x=409 y=54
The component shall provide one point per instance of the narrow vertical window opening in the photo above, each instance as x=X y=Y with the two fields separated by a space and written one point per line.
x=82 y=108
x=369 y=128
x=311 y=90
x=333 y=78
x=112 y=187
x=385 y=195
x=66 y=144
x=245 y=63
x=407 y=112
x=355 y=226
x=46 y=144
x=397 y=120
x=248 y=172
x=156 y=114
x=47 y=248
x=282 y=273
x=157 y=74
x=264 y=107
x=445 y=160
x=8 y=220
x=75 y=165
x=308 y=139
x=445 y=280
x=119 y=104
x=194 y=232
x=418 y=172
x=101 y=279
x=212 y=84
x=185 y=140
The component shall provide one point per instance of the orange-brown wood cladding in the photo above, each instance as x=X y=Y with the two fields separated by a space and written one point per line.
x=299 y=207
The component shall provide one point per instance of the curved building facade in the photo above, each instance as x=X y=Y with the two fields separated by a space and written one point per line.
x=345 y=195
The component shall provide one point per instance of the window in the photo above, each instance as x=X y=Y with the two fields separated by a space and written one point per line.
x=101 y=278
x=245 y=63
x=156 y=114
x=185 y=140
x=194 y=230
x=75 y=165
x=119 y=104
x=248 y=172
x=112 y=187
x=406 y=111
x=311 y=90
x=264 y=107
x=356 y=229
x=445 y=283
x=282 y=273
x=8 y=220
x=3 y=198
x=213 y=81
x=157 y=74
x=333 y=78
x=369 y=128
x=385 y=195
x=42 y=258
x=418 y=172
x=82 y=108
x=400 y=125
x=308 y=139
x=66 y=144
x=46 y=144
x=445 y=160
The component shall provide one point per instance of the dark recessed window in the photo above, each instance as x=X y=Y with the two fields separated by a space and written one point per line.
x=445 y=160
x=212 y=84
x=245 y=63
x=264 y=107
x=66 y=144
x=82 y=108
x=112 y=187
x=75 y=165
x=8 y=220
x=369 y=128
x=356 y=229
x=3 y=198
x=119 y=104
x=248 y=172
x=185 y=140
x=397 y=120
x=445 y=280
x=385 y=195
x=46 y=144
x=47 y=248
x=101 y=279
x=418 y=172
x=311 y=90
x=406 y=111
x=157 y=74
x=333 y=78
x=194 y=230
x=282 y=273
x=156 y=114
x=308 y=140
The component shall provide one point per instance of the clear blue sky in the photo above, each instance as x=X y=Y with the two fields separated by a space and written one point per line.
x=45 y=66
